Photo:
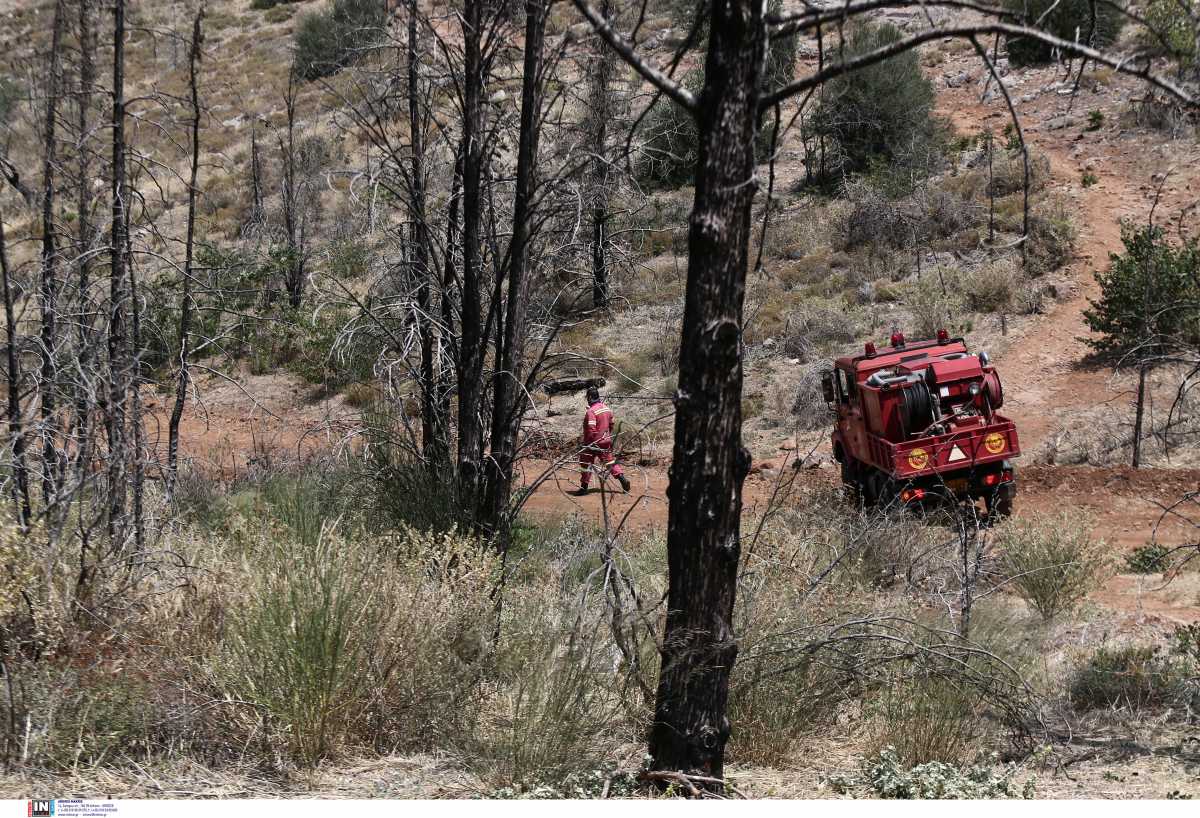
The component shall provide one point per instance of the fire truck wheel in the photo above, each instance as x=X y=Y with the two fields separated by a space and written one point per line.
x=1000 y=503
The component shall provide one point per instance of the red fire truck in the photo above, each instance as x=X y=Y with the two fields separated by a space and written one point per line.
x=917 y=422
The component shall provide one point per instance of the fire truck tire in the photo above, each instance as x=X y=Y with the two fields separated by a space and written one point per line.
x=1000 y=503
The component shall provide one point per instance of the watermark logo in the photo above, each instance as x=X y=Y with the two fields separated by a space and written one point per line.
x=41 y=809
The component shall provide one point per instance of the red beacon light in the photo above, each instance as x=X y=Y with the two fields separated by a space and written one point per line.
x=870 y=349
x=943 y=336
x=897 y=339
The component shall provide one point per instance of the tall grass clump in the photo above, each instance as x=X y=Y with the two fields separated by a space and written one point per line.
x=341 y=640
x=1052 y=561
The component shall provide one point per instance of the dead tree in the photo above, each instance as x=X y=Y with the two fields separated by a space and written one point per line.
x=118 y=343
x=50 y=262
x=508 y=396
x=185 y=298
x=601 y=109
x=15 y=430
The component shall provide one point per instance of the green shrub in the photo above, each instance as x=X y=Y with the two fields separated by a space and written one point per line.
x=10 y=94
x=1149 y=297
x=1148 y=559
x=882 y=113
x=326 y=41
x=1052 y=562
x=1134 y=677
x=671 y=145
x=1069 y=20
x=401 y=489
x=1171 y=26
x=888 y=777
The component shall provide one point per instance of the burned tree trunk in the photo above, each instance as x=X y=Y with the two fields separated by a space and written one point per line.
x=508 y=399
x=709 y=462
x=473 y=335
x=15 y=429
x=433 y=428
x=185 y=298
x=48 y=388
x=118 y=387
x=601 y=111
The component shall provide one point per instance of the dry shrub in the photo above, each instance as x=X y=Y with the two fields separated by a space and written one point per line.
x=870 y=218
x=1008 y=172
x=552 y=702
x=1051 y=237
x=661 y=280
x=932 y=308
x=993 y=288
x=1052 y=562
x=928 y=718
x=817 y=327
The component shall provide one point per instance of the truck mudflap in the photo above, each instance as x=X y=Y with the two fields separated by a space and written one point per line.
x=956 y=451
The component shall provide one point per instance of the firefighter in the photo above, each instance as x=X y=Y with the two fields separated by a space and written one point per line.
x=598 y=442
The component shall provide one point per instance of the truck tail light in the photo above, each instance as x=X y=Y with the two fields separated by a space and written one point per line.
x=908 y=495
x=991 y=479
x=1007 y=475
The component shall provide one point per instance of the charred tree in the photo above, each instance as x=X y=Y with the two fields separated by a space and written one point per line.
x=185 y=297
x=508 y=398
x=15 y=429
x=434 y=438
x=118 y=343
x=473 y=335
x=710 y=462
x=600 y=112
x=48 y=389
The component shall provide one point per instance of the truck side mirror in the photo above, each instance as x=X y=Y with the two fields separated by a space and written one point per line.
x=827 y=386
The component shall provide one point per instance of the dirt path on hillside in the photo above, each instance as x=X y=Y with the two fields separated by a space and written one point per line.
x=1047 y=376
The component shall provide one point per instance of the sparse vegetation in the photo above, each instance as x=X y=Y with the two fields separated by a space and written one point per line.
x=1052 y=562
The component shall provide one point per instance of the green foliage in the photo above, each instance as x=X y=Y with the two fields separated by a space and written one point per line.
x=882 y=113
x=1052 y=562
x=1149 y=297
x=326 y=41
x=1070 y=20
x=889 y=778
x=1088 y=179
x=1171 y=26
x=1095 y=120
x=1135 y=677
x=1148 y=559
x=671 y=143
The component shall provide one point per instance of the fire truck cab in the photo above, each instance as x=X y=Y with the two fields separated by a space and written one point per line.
x=917 y=422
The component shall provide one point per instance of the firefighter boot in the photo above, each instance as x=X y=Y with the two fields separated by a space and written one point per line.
x=624 y=482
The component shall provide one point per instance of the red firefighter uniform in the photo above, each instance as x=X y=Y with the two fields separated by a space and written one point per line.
x=597 y=442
